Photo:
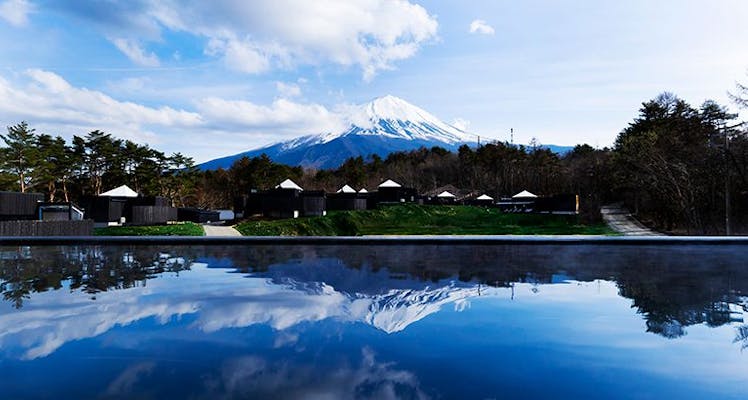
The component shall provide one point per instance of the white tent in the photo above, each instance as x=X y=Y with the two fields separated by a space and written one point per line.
x=445 y=195
x=346 y=189
x=122 y=191
x=363 y=190
x=524 y=195
x=484 y=197
x=389 y=184
x=288 y=184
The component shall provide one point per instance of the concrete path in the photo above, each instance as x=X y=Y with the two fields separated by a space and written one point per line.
x=214 y=230
x=620 y=220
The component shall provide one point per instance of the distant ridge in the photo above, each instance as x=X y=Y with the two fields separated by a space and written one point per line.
x=385 y=125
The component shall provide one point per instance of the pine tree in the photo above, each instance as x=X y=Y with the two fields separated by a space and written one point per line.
x=20 y=158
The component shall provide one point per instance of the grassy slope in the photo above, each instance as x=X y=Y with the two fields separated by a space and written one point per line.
x=424 y=220
x=184 y=229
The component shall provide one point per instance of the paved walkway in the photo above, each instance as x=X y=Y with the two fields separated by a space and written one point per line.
x=214 y=230
x=620 y=220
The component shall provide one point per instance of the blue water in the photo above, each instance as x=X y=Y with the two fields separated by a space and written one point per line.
x=422 y=321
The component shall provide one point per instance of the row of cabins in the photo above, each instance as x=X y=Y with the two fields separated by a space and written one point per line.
x=123 y=205
x=289 y=200
x=27 y=214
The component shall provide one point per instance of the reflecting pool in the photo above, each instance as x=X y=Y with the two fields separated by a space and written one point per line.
x=356 y=321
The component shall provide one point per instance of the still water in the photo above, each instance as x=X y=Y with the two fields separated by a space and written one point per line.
x=413 y=322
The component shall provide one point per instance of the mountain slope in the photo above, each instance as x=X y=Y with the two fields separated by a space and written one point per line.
x=385 y=125
x=382 y=126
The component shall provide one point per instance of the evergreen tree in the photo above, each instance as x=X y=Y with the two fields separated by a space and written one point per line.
x=668 y=158
x=20 y=158
x=101 y=155
x=53 y=166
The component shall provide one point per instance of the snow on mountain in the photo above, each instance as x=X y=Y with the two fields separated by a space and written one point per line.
x=373 y=297
x=397 y=309
x=389 y=310
x=382 y=126
x=393 y=117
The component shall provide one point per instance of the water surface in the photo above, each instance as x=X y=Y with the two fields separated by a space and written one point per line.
x=415 y=321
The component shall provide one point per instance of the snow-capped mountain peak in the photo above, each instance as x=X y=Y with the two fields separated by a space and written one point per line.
x=394 y=108
x=381 y=126
x=392 y=117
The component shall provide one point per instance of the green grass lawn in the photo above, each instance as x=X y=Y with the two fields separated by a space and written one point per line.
x=182 y=229
x=424 y=220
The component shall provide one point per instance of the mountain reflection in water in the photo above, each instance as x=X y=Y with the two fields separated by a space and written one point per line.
x=59 y=295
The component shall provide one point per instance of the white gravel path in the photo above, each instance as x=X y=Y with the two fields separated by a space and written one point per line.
x=213 y=230
x=620 y=220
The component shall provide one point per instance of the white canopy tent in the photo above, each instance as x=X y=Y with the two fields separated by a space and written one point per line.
x=445 y=195
x=122 y=191
x=389 y=184
x=524 y=195
x=363 y=190
x=346 y=189
x=288 y=184
x=484 y=197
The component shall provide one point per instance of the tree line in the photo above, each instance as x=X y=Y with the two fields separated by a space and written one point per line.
x=680 y=168
x=89 y=165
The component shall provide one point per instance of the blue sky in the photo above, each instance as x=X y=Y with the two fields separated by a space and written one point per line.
x=214 y=78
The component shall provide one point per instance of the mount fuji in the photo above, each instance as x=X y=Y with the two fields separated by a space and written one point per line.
x=382 y=126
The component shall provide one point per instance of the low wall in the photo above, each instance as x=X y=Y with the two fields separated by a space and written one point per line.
x=46 y=228
x=153 y=215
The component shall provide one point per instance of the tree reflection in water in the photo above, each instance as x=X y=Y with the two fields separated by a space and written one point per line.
x=89 y=269
x=672 y=287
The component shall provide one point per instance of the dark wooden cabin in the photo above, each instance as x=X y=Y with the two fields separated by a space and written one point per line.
x=483 y=200
x=281 y=203
x=558 y=204
x=313 y=203
x=150 y=210
x=396 y=195
x=153 y=215
x=248 y=205
x=105 y=209
x=442 y=199
x=390 y=192
x=26 y=214
x=347 y=201
x=141 y=210
x=15 y=206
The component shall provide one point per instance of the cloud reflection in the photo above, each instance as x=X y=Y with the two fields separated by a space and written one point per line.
x=312 y=285
x=217 y=301
x=255 y=377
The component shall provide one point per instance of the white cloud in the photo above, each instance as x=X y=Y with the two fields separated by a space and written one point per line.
x=480 y=26
x=48 y=93
x=135 y=53
x=288 y=89
x=256 y=36
x=49 y=102
x=16 y=12
x=215 y=127
x=242 y=56
x=282 y=117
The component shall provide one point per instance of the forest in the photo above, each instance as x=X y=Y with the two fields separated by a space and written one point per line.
x=681 y=168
